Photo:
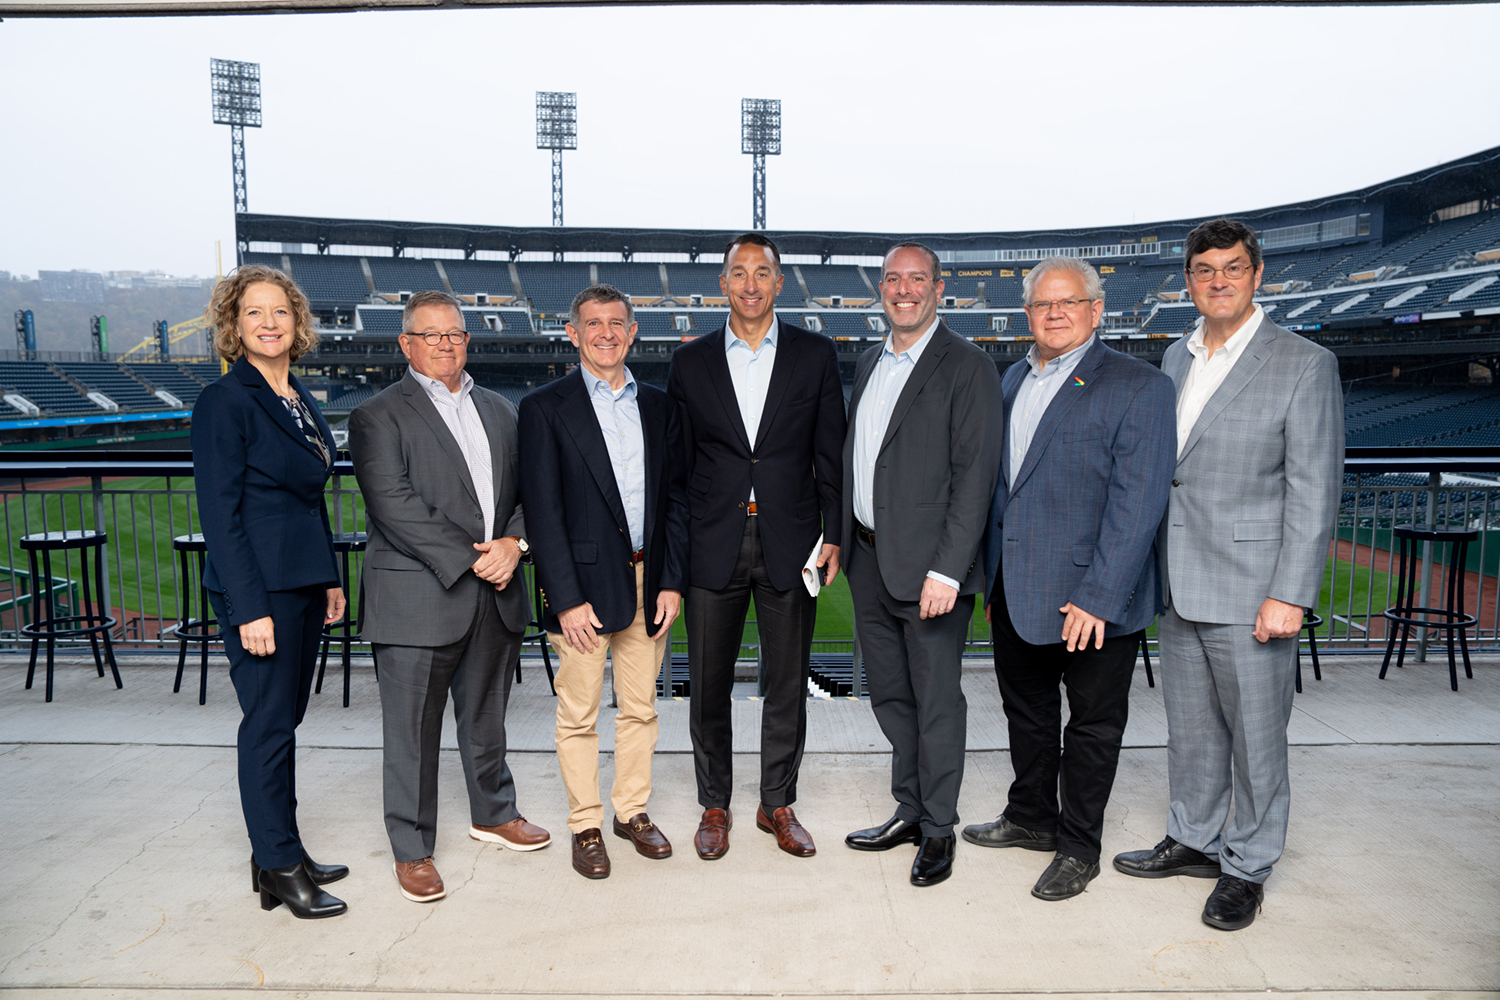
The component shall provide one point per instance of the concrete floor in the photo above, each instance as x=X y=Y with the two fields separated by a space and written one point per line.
x=125 y=864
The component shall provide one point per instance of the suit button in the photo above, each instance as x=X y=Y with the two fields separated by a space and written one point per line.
x=1176 y=482
x=742 y=503
x=754 y=460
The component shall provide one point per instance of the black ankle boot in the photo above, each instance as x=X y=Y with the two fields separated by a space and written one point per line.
x=320 y=874
x=295 y=887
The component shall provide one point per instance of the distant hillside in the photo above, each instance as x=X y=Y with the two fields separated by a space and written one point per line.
x=64 y=326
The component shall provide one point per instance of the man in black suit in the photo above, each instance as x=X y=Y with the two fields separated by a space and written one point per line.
x=763 y=421
x=601 y=460
x=920 y=465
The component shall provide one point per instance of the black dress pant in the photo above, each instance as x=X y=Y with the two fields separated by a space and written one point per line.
x=1082 y=768
x=273 y=692
x=715 y=621
x=914 y=667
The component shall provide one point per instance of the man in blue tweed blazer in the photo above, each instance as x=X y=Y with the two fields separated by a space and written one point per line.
x=1071 y=567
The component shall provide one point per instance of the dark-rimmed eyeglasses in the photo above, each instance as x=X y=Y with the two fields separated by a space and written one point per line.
x=432 y=338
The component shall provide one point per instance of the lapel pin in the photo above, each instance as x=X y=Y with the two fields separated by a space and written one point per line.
x=1077 y=380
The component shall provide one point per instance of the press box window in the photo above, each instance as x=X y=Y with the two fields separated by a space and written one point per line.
x=683 y=324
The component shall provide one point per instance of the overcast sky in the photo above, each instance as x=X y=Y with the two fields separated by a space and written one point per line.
x=894 y=118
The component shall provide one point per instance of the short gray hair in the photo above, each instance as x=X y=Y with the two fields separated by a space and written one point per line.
x=429 y=298
x=602 y=294
x=1093 y=286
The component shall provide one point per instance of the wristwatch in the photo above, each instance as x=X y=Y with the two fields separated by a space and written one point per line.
x=521 y=544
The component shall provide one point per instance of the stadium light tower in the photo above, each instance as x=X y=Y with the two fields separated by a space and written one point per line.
x=557 y=130
x=236 y=90
x=760 y=136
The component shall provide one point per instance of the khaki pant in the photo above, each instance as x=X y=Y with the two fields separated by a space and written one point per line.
x=579 y=682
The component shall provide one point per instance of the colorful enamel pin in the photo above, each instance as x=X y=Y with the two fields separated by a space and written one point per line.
x=1077 y=380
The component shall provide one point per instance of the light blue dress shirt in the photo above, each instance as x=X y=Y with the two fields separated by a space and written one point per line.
x=1034 y=396
x=750 y=371
x=620 y=420
x=873 y=419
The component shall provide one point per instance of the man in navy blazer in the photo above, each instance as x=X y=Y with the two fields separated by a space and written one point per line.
x=601 y=461
x=763 y=427
x=1070 y=561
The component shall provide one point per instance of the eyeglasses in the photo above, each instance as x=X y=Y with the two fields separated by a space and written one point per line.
x=1067 y=305
x=432 y=338
x=1234 y=272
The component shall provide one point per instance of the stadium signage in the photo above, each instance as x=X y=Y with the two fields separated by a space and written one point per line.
x=1409 y=318
x=113 y=418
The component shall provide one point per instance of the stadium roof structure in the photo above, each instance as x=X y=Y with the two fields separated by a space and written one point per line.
x=1400 y=205
x=151 y=8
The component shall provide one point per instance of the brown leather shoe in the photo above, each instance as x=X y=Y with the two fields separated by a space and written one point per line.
x=791 y=836
x=518 y=835
x=419 y=880
x=590 y=859
x=712 y=838
x=649 y=841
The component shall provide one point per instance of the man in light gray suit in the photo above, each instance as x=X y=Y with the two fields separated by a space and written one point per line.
x=1260 y=454
x=920 y=463
x=445 y=608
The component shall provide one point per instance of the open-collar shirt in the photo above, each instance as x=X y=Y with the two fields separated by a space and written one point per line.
x=461 y=417
x=619 y=416
x=750 y=372
x=1205 y=374
x=1036 y=393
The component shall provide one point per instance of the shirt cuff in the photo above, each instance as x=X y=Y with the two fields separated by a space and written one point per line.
x=933 y=574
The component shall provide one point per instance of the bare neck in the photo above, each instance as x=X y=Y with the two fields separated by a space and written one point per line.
x=1216 y=332
x=614 y=377
x=752 y=332
x=276 y=371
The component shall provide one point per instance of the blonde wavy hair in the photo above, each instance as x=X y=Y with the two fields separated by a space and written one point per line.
x=223 y=311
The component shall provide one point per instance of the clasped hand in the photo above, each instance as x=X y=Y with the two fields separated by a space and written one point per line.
x=498 y=561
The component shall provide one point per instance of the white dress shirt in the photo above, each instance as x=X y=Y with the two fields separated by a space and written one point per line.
x=619 y=418
x=1036 y=393
x=462 y=418
x=1206 y=374
x=876 y=403
x=750 y=372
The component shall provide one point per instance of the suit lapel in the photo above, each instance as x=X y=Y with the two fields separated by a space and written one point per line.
x=653 y=429
x=1257 y=353
x=787 y=344
x=1072 y=390
x=253 y=380
x=937 y=349
x=1009 y=386
x=862 y=373
x=494 y=425
x=718 y=374
x=577 y=412
x=417 y=398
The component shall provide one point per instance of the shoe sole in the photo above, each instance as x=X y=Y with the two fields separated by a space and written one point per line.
x=1225 y=925
x=413 y=896
x=887 y=847
x=1190 y=871
x=1059 y=899
x=625 y=835
x=591 y=875
x=1032 y=846
x=932 y=881
x=771 y=830
x=494 y=838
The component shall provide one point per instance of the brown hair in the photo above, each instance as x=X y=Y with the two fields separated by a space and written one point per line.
x=429 y=298
x=603 y=294
x=937 y=265
x=223 y=311
x=1221 y=234
x=754 y=240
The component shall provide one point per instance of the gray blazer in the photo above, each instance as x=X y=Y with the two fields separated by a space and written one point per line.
x=937 y=468
x=1258 y=484
x=423 y=516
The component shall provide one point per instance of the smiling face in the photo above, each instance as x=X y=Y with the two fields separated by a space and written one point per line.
x=1066 y=315
x=267 y=323
x=752 y=281
x=603 y=337
x=444 y=360
x=1222 y=300
x=909 y=291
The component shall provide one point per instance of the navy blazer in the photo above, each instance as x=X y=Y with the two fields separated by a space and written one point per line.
x=1080 y=524
x=260 y=493
x=793 y=464
x=580 y=540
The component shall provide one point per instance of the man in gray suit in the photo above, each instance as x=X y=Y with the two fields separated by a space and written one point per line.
x=1260 y=454
x=445 y=609
x=920 y=464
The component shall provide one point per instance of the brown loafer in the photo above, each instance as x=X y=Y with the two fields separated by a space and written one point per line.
x=590 y=859
x=791 y=836
x=419 y=880
x=518 y=835
x=649 y=841
x=712 y=838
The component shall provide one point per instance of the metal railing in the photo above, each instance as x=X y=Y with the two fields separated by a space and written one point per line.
x=145 y=499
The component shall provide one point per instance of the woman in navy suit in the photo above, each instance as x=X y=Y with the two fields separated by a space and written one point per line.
x=261 y=455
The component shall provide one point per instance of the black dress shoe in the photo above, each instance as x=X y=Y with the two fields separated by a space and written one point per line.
x=1233 y=904
x=1065 y=878
x=295 y=887
x=320 y=874
x=1165 y=860
x=934 y=860
x=1003 y=833
x=894 y=832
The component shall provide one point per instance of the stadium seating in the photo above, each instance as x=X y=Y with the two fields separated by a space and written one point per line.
x=38 y=383
x=633 y=279
x=169 y=377
x=473 y=277
x=329 y=280
x=703 y=279
x=552 y=287
x=398 y=274
x=825 y=281
x=114 y=382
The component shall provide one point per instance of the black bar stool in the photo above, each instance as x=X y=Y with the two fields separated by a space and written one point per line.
x=540 y=635
x=345 y=632
x=1310 y=622
x=53 y=626
x=203 y=630
x=1402 y=615
x=1146 y=655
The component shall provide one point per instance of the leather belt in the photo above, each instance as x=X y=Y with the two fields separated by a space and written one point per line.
x=865 y=534
x=750 y=508
x=637 y=557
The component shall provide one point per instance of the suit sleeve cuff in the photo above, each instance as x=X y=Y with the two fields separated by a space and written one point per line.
x=933 y=574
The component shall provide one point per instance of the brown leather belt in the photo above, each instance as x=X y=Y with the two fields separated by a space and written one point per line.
x=750 y=508
x=865 y=534
x=637 y=557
